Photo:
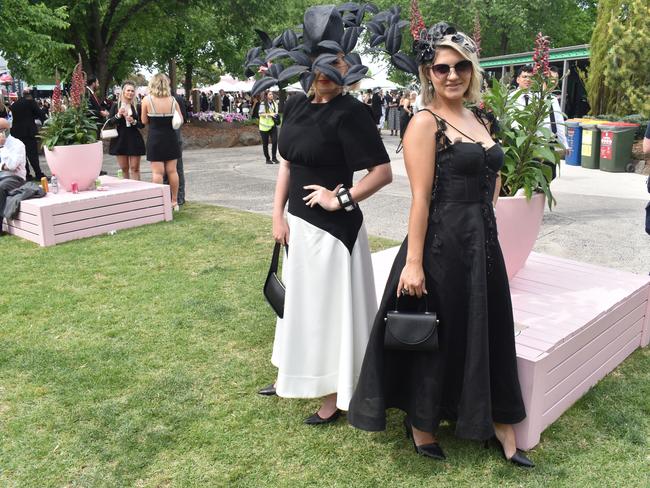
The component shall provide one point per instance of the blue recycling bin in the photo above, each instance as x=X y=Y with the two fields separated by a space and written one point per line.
x=574 y=139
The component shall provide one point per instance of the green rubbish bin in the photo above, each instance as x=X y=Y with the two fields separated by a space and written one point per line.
x=616 y=140
x=590 y=146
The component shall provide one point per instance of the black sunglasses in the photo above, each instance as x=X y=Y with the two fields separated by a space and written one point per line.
x=461 y=68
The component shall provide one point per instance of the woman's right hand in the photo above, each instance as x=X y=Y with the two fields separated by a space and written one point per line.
x=411 y=281
x=281 y=231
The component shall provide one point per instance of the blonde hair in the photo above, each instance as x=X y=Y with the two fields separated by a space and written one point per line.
x=159 y=86
x=473 y=93
x=127 y=83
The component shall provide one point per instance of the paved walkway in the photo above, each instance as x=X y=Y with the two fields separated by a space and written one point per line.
x=598 y=218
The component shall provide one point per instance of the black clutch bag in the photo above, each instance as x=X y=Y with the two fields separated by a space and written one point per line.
x=411 y=331
x=273 y=287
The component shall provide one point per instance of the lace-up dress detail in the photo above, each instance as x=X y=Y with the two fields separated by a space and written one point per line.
x=472 y=380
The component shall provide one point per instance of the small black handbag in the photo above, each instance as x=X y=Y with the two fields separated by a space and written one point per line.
x=411 y=331
x=273 y=287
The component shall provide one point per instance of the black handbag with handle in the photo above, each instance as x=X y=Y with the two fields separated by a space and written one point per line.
x=411 y=331
x=273 y=287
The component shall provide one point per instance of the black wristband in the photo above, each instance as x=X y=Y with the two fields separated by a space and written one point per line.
x=345 y=199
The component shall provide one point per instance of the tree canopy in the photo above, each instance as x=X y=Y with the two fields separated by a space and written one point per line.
x=618 y=80
x=29 y=40
x=115 y=37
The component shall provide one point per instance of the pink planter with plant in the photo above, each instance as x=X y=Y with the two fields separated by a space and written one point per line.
x=518 y=224
x=80 y=163
x=70 y=136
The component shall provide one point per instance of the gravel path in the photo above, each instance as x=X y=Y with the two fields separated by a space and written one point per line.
x=598 y=219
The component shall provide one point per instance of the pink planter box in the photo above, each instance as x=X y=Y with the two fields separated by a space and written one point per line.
x=66 y=216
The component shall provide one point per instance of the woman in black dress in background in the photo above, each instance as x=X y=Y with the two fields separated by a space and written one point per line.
x=451 y=258
x=128 y=146
x=163 y=150
x=405 y=113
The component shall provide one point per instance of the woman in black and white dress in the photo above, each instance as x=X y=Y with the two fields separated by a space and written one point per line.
x=330 y=295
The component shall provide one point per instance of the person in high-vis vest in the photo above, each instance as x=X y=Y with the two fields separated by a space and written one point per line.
x=268 y=127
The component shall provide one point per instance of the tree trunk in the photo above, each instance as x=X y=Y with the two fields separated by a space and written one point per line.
x=103 y=73
x=172 y=75
x=189 y=69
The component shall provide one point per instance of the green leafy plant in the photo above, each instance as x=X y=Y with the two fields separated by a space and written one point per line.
x=73 y=124
x=526 y=142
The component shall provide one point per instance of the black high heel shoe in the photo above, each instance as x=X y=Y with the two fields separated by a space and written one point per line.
x=268 y=390
x=318 y=420
x=518 y=458
x=432 y=450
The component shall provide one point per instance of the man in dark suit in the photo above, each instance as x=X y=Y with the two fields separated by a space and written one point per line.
x=25 y=111
x=94 y=105
x=377 y=108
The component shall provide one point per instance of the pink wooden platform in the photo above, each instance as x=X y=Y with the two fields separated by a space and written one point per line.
x=575 y=322
x=63 y=217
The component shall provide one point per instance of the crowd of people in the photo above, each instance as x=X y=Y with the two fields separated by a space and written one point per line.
x=161 y=111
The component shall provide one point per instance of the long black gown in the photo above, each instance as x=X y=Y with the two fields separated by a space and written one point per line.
x=472 y=379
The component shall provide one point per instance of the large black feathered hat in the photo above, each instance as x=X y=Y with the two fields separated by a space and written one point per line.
x=327 y=31
x=322 y=23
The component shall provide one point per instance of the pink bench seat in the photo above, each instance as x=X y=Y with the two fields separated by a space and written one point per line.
x=65 y=216
x=575 y=322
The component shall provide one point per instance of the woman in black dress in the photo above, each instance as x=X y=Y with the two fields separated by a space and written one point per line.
x=451 y=258
x=163 y=150
x=406 y=112
x=394 y=101
x=128 y=146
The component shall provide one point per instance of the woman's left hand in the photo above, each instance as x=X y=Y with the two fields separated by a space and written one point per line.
x=323 y=197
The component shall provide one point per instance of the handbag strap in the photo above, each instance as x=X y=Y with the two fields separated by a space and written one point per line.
x=275 y=260
x=107 y=121
x=426 y=303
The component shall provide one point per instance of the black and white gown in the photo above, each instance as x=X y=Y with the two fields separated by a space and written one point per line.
x=330 y=295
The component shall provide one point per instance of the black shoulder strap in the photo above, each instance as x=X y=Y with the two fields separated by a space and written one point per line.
x=441 y=138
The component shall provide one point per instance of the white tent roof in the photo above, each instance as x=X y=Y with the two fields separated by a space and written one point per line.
x=229 y=83
x=371 y=83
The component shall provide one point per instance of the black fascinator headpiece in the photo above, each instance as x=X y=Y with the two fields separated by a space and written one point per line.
x=386 y=28
x=327 y=31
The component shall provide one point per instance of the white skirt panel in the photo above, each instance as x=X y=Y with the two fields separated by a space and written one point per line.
x=329 y=308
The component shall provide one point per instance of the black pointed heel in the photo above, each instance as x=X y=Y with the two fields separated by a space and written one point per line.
x=518 y=458
x=318 y=420
x=432 y=450
x=267 y=390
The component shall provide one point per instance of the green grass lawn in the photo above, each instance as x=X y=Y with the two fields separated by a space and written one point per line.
x=134 y=360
